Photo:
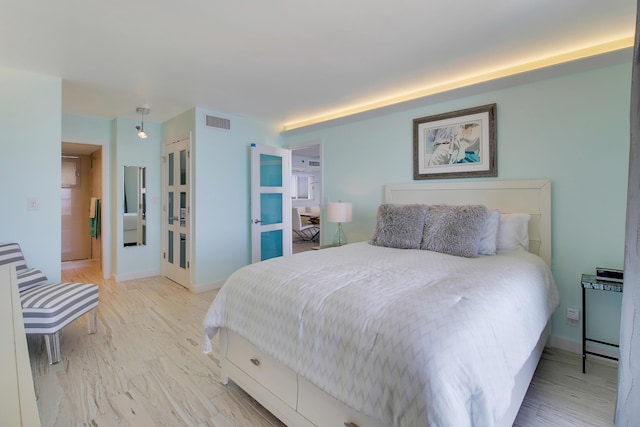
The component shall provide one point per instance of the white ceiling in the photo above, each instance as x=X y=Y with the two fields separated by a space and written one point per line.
x=285 y=60
x=311 y=151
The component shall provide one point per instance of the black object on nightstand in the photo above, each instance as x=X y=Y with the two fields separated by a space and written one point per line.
x=589 y=281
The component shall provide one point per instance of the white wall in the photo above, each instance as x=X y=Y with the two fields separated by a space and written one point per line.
x=30 y=135
x=572 y=129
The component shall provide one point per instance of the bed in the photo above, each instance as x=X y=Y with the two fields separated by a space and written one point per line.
x=374 y=335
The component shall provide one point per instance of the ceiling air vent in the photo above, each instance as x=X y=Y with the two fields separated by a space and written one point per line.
x=217 y=122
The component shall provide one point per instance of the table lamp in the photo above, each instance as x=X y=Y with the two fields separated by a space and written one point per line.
x=339 y=212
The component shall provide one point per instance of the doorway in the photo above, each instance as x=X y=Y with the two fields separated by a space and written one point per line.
x=81 y=181
x=270 y=202
x=306 y=191
x=176 y=200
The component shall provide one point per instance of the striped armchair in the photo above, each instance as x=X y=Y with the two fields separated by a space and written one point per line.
x=48 y=307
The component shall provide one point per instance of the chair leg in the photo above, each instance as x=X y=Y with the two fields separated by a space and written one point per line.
x=52 y=342
x=301 y=235
x=93 y=323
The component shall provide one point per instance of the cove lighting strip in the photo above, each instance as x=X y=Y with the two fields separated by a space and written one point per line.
x=476 y=79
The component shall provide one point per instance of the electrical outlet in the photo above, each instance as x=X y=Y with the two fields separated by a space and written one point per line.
x=33 y=204
x=573 y=314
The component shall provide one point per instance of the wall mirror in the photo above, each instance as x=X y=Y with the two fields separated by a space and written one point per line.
x=135 y=206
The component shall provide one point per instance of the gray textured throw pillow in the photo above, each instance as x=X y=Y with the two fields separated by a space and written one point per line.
x=400 y=226
x=454 y=230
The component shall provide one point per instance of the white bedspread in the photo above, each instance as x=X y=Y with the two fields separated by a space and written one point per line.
x=409 y=337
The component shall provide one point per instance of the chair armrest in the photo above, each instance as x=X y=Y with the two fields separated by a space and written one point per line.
x=31 y=278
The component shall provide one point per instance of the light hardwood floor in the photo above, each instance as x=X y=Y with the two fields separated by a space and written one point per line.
x=302 y=246
x=144 y=367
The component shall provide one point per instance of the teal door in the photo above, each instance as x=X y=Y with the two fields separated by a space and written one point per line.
x=270 y=202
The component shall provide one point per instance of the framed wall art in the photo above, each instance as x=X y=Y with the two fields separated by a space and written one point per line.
x=458 y=144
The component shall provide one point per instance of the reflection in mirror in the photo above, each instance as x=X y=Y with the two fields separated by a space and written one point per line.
x=135 y=206
x=301 y=186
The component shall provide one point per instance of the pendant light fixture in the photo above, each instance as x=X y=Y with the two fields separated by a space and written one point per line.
x=143 y=112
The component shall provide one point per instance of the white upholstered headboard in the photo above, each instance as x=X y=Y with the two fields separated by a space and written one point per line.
x=532 y=197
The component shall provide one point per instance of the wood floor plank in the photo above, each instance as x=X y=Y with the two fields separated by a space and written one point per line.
x=144 y=366
x=130 y=410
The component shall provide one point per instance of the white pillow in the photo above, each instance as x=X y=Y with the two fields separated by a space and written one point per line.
x=489 y=238
x=513 y=232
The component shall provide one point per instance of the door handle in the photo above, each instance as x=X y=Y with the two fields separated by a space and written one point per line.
x=257 y=221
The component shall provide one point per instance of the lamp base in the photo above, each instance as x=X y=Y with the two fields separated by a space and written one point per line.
x=340 y=237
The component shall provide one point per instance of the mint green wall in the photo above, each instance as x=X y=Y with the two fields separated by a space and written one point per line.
x=122 y=147
x=572 y=129
x=179 y=126
x=137 y=261
x=86 y=130
x=220 y=203
x=221 y=194
x=30 y=123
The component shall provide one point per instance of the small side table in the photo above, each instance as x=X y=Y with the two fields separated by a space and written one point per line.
x=589 y=281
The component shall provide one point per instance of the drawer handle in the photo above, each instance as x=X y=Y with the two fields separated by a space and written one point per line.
x=257 y=362
x=350 y=424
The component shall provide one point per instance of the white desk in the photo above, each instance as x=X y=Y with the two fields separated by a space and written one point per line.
x=16 y=393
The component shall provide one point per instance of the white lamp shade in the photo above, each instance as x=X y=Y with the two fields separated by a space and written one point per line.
x=339 y=212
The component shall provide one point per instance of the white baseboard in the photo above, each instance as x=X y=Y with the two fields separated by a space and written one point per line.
x=66 y=265
x=565 y=344
x=134 y=276
x=196 y=289
x=576 y=347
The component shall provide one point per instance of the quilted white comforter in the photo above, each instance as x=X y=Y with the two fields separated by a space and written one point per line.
x=409 y=337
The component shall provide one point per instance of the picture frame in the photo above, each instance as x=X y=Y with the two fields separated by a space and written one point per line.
x=458 y=144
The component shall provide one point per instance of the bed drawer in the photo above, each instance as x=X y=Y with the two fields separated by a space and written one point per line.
x=278 y=379
x=325 y=411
